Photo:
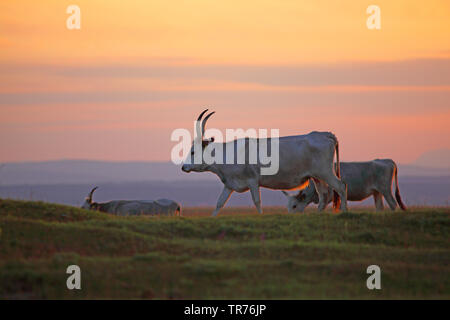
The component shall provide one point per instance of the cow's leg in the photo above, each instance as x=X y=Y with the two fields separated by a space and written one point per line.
x=390 y=199
x=322 y=191
x=223 y=198
x=256 y=196
x=338 y=186
x=378 y=198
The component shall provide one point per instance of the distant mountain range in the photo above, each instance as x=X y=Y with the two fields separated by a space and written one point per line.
x=69 y=181
x=87 y=171
x=97 y=172
x=435 y=158
x=414 y=190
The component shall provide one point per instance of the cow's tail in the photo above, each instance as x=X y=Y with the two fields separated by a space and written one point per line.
x=336 y=198
x=397 y=190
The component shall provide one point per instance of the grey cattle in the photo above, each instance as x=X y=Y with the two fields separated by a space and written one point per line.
x=134 y=207
x=363 y=179
x=301 y=157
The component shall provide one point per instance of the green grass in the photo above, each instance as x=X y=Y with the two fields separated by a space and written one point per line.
x=238 y=255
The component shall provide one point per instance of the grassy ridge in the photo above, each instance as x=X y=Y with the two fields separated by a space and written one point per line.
x=238 y=255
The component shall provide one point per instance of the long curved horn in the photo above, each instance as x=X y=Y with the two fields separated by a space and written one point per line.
x=197 y=124
x=91 y=193
x=204 y=122
x=201 y=114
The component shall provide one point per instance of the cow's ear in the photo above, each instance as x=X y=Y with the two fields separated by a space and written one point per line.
x=205 y=143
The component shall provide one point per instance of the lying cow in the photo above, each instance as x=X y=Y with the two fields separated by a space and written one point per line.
x=134 y=207
x=363 y=179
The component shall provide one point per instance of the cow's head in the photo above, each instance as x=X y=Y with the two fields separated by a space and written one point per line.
x=198 y=145
x=298 y=202
x=88 y=204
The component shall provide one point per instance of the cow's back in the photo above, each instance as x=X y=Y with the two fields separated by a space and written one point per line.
x=300 y=157
x=363 y=178
x=142 y=207
x=148 y=207
x=111 y=206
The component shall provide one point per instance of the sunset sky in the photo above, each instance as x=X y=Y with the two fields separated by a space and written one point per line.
x=137 y=70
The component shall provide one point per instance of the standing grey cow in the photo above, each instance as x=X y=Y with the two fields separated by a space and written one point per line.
x=363 y=179
x=300 y=158
x=134 y=207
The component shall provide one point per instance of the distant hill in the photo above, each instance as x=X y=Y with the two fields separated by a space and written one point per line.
x=414 y=190
x=436 y=159
x=88 y=171
x=421 y=171
x=98 y=172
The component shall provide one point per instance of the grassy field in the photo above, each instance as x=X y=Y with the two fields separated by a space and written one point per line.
x=237 y=255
